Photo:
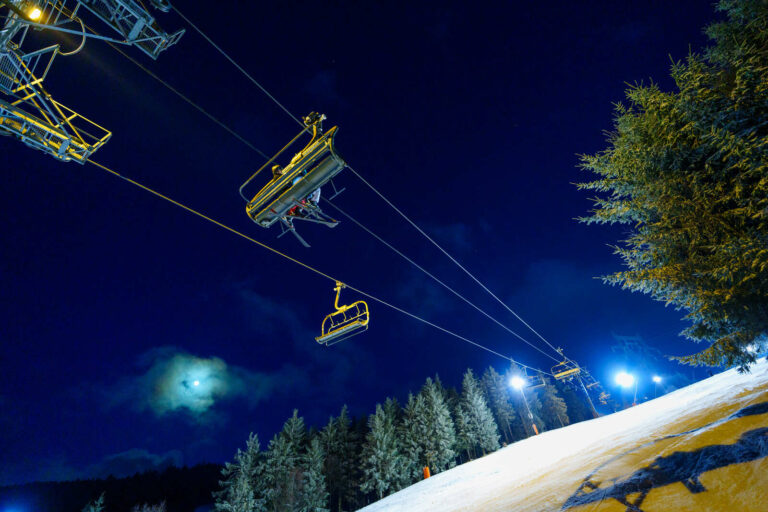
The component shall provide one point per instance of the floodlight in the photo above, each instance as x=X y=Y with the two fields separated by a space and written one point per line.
x=656 y=379
x=625 y=379
x=196 y=383
x=517 y=382
x=35 y=14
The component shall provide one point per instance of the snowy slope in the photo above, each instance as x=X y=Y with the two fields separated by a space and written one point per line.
x=700 y=448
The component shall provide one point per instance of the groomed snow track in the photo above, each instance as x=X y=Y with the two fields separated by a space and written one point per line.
x=700 y=448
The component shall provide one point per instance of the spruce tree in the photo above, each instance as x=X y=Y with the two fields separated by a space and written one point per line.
x=480 y=425
x=283 y=473
x=339 y=467
x=238 y=488
x=497 y=391
x=314 y=495
x=414 y=431
x=96 y=505
x=382 y=463
x=685 y=171
x=554 y=411
x=436 y=425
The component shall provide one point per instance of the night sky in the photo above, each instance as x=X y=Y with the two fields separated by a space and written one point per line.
x=468 y=116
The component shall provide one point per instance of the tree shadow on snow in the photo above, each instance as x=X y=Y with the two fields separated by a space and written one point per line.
x=682 y=467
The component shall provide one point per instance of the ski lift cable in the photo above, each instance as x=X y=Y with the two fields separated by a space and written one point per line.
x=244 y=72
x=251 y=146
x=415 y=226
x=306 y=266
x=270 y=96
x=183 y=97
x=238 y=66
x=436 y=279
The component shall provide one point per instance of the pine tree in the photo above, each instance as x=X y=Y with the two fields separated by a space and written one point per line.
x=382 y=463
x=429 y=431
x=339 y=467
x=553 y=409
x=576 y=406
x=283 y=474
x=96 y=505
x=314 y=495
x=497 y=391
x=414 y=431
x=686 y=172
x=481 y=431
x=238 y=492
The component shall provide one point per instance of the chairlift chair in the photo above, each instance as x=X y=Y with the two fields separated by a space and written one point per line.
x=284 y=198
x=604 y=397
x=535 y=381
x=566 y=370
x=347 y=321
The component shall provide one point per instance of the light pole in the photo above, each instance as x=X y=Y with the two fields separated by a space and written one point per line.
x=518 y=382
x=625 y=380
x=656 y=380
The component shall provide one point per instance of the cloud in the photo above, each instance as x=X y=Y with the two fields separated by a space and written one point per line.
x=134 y=461
x=176 y=381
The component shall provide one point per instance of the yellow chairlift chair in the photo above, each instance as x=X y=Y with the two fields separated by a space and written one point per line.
x=345 y=322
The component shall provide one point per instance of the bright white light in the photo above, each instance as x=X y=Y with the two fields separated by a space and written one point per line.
x=656 y=379
x=196 y=383
x=35 y=13
x=752 y=349
x=517 y=382
x=624 y=379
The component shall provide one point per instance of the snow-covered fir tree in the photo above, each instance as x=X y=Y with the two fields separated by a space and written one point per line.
x=553 y=409
x=339 y=468
x=414 y=430
x=238 y=491
x=314 y=495
x=96 y=505
x=429 y=433
x=497 y=392
x=381 y=460
x=283 y=474
x=481 y=432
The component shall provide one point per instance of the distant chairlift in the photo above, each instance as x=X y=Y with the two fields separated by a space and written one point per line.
x=345 y=322
x=566 y=370
x=292 y=193
x=535 y=381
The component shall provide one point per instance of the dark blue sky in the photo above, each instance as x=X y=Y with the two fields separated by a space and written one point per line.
x=469 y=116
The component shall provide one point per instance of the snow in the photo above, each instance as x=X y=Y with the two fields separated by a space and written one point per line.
x=700 y=448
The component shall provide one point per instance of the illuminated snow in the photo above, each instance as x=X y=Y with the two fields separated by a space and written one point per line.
x=557 y=470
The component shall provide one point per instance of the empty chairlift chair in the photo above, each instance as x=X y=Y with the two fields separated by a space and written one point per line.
x=345 y=322
x=566 y=370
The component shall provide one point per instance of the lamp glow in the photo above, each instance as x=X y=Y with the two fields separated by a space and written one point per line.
x=624 y=379
x=517 y=382
x=656 y=379
x=35 y=14
x=196 y=383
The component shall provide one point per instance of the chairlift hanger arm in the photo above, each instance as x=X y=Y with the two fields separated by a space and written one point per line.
x=240 y=190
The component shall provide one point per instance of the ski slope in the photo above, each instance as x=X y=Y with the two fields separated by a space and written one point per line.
x=700 y=448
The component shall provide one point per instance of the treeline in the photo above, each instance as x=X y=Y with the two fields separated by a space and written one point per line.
x=182 y=489
x=353 y=462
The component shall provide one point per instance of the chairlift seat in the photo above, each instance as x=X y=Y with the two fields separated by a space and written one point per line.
x=317 y=163
x=344 y=323
x=566 y=370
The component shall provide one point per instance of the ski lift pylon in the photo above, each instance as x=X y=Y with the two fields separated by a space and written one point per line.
x=347 y=321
